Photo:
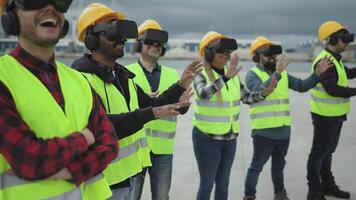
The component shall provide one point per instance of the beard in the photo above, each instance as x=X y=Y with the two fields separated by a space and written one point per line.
x=152 y=56
x=109 y=51
x=270 y=65
x=31 y=35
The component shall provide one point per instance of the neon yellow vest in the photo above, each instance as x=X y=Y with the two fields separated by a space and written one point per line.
x=214 y=117
x=160 y=133
x=274 y=111
x=47 y=120
x=324 y=104
x=134 y=151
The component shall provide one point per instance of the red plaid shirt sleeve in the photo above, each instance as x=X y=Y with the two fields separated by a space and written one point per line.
x=30 y=157
x=33 y=158
x=101 y=153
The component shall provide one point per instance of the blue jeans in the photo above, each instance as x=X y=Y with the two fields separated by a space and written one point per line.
x=160 y=177
x=214 y=159
x=326 y=138
x=263 y=148
x=125 y=193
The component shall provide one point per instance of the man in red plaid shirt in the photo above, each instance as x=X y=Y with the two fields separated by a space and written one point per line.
x=55 y=138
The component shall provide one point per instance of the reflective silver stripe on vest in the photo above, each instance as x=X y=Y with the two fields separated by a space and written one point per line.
x=160 y=134
x=319 y=88
x=12 y=181
x=216 y=104
x=270 y=114
x=212 y=104
x=130 y=149
x=171 y=119
x=236 y=103
x=142 y=142
x=126 y=151
x=270 y=102
x=208 y=118
x=330 y=101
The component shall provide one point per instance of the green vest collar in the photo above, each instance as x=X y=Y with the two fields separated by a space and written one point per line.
x=158 y=66
x=337 y=56
x=87 y=64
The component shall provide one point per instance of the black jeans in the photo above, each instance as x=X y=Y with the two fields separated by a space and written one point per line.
x=326 y=138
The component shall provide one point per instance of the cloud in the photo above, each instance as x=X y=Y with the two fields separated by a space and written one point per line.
x=235 y=17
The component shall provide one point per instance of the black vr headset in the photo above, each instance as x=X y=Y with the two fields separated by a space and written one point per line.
x=267 y=51
x=10 y=21
x=60 y=5
x=152 y=36
x=224 y=45
x=344 y=35
x=115 y=30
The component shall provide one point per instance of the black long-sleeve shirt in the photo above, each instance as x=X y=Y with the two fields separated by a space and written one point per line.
x=128 y=123
x=329 y=81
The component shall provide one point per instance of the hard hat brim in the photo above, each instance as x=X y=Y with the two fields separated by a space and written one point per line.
x=112 y=15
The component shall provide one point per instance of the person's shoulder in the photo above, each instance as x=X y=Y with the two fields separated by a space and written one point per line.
x=6 y=58
x=66 y=67
x=169 y=69
x=251 y=72
x=132 y=65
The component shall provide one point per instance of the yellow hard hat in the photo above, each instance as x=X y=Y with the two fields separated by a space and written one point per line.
x=259 y=42
x=148 y=24
x=328 y=28
x=93 y=13
x=209 y=37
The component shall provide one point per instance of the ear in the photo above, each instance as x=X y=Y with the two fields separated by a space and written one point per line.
x=10 y=23
x=256 y=58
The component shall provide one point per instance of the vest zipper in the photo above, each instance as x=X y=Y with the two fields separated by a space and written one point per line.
x=107 y=98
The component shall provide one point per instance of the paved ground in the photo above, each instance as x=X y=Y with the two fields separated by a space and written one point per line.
x=186 y=176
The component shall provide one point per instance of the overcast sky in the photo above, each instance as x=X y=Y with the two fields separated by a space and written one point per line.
x=237 y=17
x=288 y=21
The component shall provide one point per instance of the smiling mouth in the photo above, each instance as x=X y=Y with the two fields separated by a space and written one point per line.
x=49 y=23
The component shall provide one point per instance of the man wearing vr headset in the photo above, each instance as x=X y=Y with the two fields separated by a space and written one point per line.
x=55 y=136
x=104 y=33
x=154 y=79
x=330 y=103
x=271 y=118
x=218 y=94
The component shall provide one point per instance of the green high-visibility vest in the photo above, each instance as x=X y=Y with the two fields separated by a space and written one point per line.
x=219 y=117
x=46 y=119
x=321 y=102
x=160 y=133
x=274 y=111
x=134 y=153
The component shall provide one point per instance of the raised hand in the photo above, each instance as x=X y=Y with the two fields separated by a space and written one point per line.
x=169 y=110
x=232 y=69
x=189 y=73
x=282 y=63
x=270 y=88
x=187 y=94
x=323 y=65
